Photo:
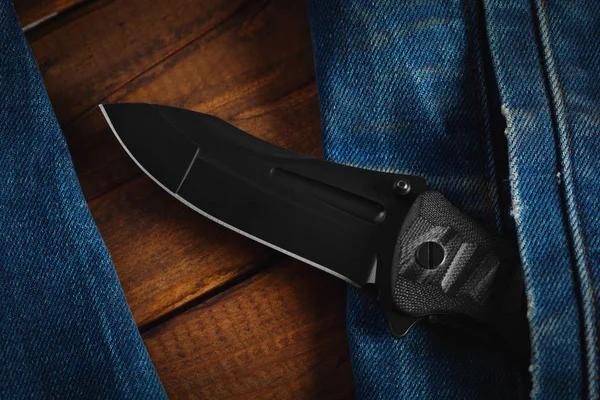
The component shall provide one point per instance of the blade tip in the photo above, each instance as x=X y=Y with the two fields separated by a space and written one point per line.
x=105 y=107
x=108 y=121
x=102 y=108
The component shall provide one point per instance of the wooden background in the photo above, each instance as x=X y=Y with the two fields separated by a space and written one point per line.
x=221 y=316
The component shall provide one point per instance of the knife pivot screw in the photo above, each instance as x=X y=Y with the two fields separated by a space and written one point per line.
x=430 y=255
x=402 y=187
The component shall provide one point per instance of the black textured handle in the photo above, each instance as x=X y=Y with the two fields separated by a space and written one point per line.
x=447 y=264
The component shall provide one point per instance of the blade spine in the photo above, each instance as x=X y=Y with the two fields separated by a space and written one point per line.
x=207 y=215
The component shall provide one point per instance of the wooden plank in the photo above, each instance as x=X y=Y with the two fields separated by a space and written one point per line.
x=88 y=58
x=255 y=71
x=280 y=335
x=33 y=12
x=165 y=253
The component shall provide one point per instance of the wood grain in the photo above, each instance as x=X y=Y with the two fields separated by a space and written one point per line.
x=280 y=335
x=92 y=56
x=32 y=12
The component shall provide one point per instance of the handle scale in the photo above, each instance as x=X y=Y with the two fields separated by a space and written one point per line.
x=445 y=264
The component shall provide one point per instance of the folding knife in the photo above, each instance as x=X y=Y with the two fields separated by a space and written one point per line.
x=424 y=257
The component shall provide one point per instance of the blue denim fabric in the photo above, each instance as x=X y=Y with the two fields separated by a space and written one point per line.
x=65 y=328
x=416 y=87
x=546 y=57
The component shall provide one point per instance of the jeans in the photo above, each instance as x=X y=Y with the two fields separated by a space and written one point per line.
x=65 y=328
x=496 y=103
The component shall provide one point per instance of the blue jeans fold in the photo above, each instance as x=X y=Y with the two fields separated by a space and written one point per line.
x=65 y=328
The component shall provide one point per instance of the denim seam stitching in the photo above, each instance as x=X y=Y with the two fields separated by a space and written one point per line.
x=574 y=226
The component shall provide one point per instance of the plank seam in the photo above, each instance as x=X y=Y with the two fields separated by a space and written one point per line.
x=272 y=259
